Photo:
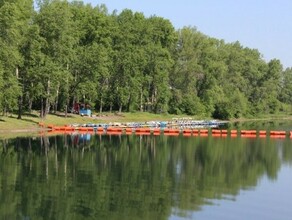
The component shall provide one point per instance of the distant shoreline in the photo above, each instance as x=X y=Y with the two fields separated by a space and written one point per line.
x=30 y=124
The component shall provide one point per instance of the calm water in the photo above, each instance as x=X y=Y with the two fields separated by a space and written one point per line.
x=145 y=177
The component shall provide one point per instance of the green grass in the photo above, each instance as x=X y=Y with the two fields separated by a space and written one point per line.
x=31 y=121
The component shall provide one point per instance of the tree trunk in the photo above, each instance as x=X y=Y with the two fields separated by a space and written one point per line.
x=141 y=100
x=111 y=108
x=20 y=98
x=29 y=105
x=100 y=106
x=66 y=111
x=46 y=107
x=120 y=108
x=19 y=107
x=42 y=108
x=5 y=110
x=16 y=72
x=129 y=103
x=57 y=100
x=47 y=102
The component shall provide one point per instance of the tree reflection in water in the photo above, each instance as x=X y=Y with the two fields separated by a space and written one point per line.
x=129 y=177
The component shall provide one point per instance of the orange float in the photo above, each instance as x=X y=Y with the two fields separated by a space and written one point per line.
x=204 y=131
x=171 y=131
x=233 y=131
x=254 y=132
x=223 y=131
x=216 y=131
x=99 y=129
x=187 y=131
x=142 y=130
x=114 y=129
x=278 y=133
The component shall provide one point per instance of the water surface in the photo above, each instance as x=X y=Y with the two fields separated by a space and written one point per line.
x=145 y=177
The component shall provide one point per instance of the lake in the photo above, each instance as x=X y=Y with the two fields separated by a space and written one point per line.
x=85 y=176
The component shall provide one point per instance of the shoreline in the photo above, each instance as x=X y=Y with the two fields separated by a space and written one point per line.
x=31 y=123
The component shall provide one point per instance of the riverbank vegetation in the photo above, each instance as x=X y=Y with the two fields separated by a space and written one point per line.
x=66 y=52
x=30 y=122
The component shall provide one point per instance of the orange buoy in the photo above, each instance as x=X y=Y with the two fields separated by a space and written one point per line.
x=69 y=128
x=216 y=131
x=248 y=132
x=82 y=129
x=99 y=132
x=187 y=131
x=51 y=127
x=171 y=130
x=114 y=129
x=142 y=130
x=224 y=131
x=128 y=130
x=166 y=130
x=204 y=131
x=233 y=131
x=156 y=131
x=278 y=133
x=57 y=128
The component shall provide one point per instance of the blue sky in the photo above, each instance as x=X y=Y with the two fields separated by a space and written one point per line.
x=265 y=25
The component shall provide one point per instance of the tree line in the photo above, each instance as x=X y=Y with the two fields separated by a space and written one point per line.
x=61 y=52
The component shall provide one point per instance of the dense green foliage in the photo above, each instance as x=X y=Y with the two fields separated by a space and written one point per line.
x=66 y=52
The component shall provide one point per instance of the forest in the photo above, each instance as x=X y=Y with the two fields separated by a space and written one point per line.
x=55 y=53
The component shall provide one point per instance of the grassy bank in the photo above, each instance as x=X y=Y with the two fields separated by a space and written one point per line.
x=30 y=122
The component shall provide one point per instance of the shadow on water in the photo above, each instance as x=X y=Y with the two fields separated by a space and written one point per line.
x=129 y=177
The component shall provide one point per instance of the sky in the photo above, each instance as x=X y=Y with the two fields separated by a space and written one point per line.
x=265 y=25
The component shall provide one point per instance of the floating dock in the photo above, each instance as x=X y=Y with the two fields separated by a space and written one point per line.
x=168 y=131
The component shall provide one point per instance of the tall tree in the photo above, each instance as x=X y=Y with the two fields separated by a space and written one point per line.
x=186 y=72
x=56 y=27
x=15 y=16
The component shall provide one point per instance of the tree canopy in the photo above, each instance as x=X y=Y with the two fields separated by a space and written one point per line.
x=66 y=52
